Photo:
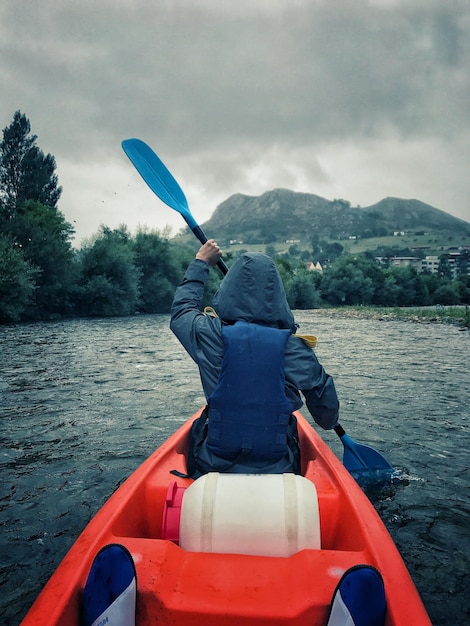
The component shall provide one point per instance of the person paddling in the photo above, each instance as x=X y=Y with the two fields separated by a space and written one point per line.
x=252 y=366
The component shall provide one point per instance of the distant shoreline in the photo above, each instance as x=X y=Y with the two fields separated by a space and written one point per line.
x=457 y=315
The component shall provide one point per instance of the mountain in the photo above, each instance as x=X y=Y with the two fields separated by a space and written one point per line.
x=281 y=215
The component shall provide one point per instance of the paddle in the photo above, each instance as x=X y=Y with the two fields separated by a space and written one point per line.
x=162 y=183
x=358 y=458
x=366 y=464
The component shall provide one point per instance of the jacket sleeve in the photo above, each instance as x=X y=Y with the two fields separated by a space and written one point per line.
x=305 y=372
x=187 y=305
x=323 y=404
x=199 y=334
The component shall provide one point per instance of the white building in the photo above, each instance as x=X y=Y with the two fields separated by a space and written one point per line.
x=430 y=264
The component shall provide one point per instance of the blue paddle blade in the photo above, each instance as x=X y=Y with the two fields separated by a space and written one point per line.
x=157 y=177
x=162 y=183
x=367 y=466
x=357 y=456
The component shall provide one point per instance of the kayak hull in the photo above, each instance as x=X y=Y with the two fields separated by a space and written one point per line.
x=175 y=586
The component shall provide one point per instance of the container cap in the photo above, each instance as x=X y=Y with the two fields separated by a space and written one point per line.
x=172 y=512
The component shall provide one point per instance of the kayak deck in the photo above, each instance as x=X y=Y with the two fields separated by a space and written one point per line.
x=194 y=588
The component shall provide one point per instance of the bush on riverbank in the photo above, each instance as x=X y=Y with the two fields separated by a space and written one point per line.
x=459 y=315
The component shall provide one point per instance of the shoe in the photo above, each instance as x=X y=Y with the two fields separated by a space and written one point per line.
x=359 y=598
x=109 y=596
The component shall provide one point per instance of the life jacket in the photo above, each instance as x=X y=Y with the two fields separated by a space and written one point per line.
x=248 y=426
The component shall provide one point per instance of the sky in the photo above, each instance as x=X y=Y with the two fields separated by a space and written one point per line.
x=351 y=99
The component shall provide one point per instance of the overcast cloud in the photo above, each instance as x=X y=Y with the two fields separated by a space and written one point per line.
x=353 y=99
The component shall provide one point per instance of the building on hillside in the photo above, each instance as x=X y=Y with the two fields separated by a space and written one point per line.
x=430 y=264
x=420 y=248
x=314 y=267
x=458 y=263
x=405 y=261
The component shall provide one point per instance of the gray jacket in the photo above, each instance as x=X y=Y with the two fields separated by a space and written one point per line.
x=251 y=291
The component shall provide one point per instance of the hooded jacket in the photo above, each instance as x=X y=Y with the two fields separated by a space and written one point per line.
x=252 y=291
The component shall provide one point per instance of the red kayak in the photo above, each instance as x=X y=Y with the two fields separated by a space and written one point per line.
x=235 y=549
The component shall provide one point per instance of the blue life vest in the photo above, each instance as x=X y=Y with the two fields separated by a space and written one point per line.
x=248 y=426
x=249 y=409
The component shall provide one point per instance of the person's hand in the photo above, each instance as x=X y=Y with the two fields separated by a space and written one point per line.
x=210 y=253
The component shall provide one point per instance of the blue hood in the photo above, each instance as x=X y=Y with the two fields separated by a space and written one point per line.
x=252 y=291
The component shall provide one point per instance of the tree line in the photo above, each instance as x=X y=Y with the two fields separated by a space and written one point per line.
x=117 y=273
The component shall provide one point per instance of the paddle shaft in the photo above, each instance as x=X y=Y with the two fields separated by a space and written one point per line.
x=339 y=430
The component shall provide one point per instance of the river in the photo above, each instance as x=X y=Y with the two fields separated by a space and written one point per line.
x=84 y=402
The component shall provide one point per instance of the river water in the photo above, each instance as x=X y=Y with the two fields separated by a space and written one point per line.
x=84 y=402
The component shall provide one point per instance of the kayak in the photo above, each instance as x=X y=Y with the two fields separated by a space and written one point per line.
x=235 y=549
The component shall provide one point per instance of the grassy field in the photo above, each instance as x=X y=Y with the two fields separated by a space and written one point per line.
x=430 y=244
x=459 y=315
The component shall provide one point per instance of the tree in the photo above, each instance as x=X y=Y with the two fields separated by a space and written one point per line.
x=462 y=286
x=350 y=280
x=285 y=269
x=386 y=290
x=158 y=269
x=29 y=218
x=301 y=291
x=26 y=173
x=323 y=251
x=431 y=282
x=270 y=250
x=447 y=295
x=109 y=278
x=412 y=289
x=44 y=237
x=17 y=281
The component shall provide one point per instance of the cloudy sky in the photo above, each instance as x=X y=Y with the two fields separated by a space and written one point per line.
x=353 y=99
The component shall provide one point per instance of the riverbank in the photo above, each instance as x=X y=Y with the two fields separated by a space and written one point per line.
x=457 y=315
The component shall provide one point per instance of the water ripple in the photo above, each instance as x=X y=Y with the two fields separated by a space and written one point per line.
x=84 y=402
